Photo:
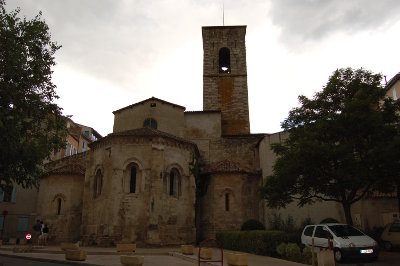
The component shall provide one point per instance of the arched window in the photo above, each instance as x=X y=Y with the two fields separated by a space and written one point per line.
x=98 y=183
x=227 y=202
x=132 y=186
x=175 y=183
x=224 y=60
x=171 y=183
x=58 y=206
x=150 y=122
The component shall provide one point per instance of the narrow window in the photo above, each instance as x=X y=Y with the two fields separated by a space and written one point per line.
x=227 y=202
x=133 y=180
x=58 y=206
x=224 y=60
x=98 y=183
x=83 y=146
x=171 y=183
x=150 y=122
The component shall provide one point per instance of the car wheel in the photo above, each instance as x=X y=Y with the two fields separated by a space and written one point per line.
x=338 y=255
x=387 y=245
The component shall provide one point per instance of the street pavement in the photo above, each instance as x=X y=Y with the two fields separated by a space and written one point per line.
x=98 y=256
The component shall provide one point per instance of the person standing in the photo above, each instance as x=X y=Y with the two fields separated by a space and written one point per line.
x=37 y=228
x=45 y=235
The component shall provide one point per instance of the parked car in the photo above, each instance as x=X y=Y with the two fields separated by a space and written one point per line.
x=347 y=241
x=391 y=236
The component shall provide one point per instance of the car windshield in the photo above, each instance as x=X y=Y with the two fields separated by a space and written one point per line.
x=342 y=230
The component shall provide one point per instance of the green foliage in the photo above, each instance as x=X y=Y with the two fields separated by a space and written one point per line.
x=202 y=179
x=251 y=225
x=293 y=252
x=281 y=249
x=305 y=222
x=307 y=255
x=31 y=125
x=344 y=143
x=329 y=220
x=375 y=232
x=256 y=242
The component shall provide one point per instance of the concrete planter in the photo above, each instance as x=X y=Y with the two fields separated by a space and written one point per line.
x=187 y=249
x=206 y=253
x=325 y=258
x=126 y=247
x=132 y=260
x=237 y=259
x=79 y=255
x=69 y=246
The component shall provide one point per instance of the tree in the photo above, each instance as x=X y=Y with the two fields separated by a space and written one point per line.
x=31 y=125
x=343 y=144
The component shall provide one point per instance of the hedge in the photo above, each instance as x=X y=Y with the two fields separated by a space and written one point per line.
x=256 y=242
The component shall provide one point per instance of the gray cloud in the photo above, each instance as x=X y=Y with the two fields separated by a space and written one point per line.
x=313 y=20
x=114 y=40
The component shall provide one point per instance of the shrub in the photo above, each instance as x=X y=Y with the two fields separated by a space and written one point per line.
x=307 y=254
x=251 y=225
x=293 y=252
x=281 y=249
x=257 y=242
x=329 y=220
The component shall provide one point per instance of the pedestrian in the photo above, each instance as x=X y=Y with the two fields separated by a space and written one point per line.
x=45 y=235
x=37 y=228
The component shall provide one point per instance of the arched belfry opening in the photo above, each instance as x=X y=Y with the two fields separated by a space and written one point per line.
x=224 y=60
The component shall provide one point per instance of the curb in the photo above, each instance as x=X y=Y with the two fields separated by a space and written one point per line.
x=49 y=260
x=187 y=258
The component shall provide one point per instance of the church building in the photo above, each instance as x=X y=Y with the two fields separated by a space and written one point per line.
x=170 y=176
x=139 y=182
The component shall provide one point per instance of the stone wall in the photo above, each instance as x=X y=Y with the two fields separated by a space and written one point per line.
x=169 y=117
x=59 y=205
x=150 y=215
x=243 y=200
x=226 y=92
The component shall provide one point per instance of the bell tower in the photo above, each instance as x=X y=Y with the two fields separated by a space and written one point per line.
x=225 y=77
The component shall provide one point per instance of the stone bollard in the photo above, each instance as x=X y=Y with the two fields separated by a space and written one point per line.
x=128 y=247
x=79 y=255
x=187 y=249
x=132 y=260
x=325 y=258
x=237 y=259
x=206 y=253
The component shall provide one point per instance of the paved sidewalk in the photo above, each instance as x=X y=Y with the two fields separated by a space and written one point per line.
x=169 y=256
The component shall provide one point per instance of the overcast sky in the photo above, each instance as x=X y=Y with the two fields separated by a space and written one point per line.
x=116 y=53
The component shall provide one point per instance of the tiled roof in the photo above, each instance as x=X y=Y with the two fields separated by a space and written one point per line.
x=199 y=112
x=148 y=133
x=228 y=166
x=393 y=81
x=68 y=169
x=147 y=100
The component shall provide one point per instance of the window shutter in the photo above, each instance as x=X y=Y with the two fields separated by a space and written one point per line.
x=14 y=195
x=1 y=194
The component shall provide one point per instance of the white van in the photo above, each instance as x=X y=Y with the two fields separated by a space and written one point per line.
x=348 y=242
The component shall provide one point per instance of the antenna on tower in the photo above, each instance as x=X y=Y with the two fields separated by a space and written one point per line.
x=223 y=13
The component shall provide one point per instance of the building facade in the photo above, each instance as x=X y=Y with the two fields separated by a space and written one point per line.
x=170 y=176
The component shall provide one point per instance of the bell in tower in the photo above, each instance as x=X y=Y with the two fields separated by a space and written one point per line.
x=225 y=77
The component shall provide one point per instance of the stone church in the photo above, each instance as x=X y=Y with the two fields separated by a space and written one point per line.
x=138 y=183
x=169 y=176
